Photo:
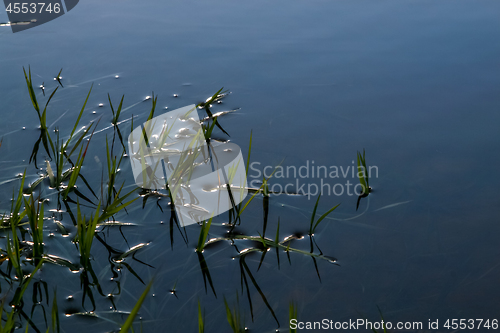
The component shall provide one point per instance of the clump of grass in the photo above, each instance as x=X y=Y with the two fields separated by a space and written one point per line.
x=130 y=319
x=14 y=256
x=214 y=98
x=117 y=204
x=234 y=318
x=86 y=231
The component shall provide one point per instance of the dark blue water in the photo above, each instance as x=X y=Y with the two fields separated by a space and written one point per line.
x=414 y=83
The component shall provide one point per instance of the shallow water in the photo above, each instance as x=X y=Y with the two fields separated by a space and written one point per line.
x=413 y=83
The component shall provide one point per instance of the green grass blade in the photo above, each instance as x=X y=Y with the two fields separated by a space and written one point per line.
x=55 y=315
x=276 y=241
x=249 y=151
x=314 y=215
x=29 y=83
x=79 y=117
x=322 y=217
x=130 y=319
x=201 y=325
x=203 y=235
x=292 y=314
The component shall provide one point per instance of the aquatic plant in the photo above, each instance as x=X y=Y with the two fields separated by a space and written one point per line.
x=91 y=214
x=363 y=177
x=382 y=321
x=135 y=310
x=234 y=318
x=205 y=228
x=35 y=213
x=60 y=151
